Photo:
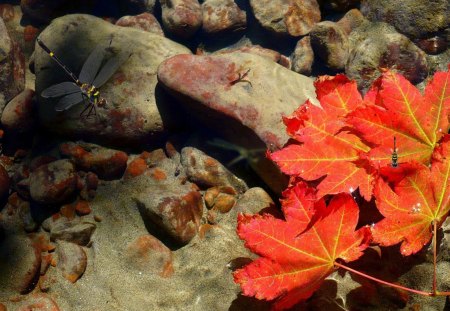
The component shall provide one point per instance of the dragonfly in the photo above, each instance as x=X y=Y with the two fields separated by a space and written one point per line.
x=84 y=88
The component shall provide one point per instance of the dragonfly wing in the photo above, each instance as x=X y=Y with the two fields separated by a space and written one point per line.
x=68 y=101
x=60 y=89
x=110 y=67
x=92 y=64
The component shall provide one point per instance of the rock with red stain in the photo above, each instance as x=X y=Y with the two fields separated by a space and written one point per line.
x=287 y=17
x=53 y=183
x=181 y=17
x=17 y=115
x=87 y=183
x=12 y=69
x=258 y=50
x=148 y=255
x=351 y=20
x=222 y=15
x=144 y=21
x=72 y=260
x=303 y=56
x=82 y=208
x=20 y=264
x=106 y=163
x=16 y=216
x=379 y=45
x=330 y=43
x=176 y=209
x=131 y=115
x=206 y=171
x=248 y=93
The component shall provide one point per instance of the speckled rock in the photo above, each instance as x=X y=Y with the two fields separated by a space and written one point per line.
x=378 y=45
x=144 y=21
x=18 y=113
x=414 y=18
x=72 y=231
x=53 y=183
x=176 y=209
x=12 y=70
x=206 y=171
x=252 y=110
x=147 y=254
x=351 y=20
x=20 y=263
x=104 y=162
x=303 y=56
x=131 y=115
x=295 y=18
x=72 y=260
x=181 y=17
x=330 y=43
x=222 y=15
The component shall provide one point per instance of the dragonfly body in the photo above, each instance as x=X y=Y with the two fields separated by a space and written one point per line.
x=394 y=155
x=85 y=87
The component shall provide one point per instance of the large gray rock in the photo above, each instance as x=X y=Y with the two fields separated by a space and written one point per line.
x=133 y=113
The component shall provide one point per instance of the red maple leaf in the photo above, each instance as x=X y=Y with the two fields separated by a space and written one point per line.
x=327 y=147
x=297 y=255
x=414 y=204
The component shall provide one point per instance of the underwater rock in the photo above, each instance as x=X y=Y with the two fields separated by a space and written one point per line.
x=148 y=255
x=206 y=171
x=4 y=182
x=7 y=12
x=106 y=163
x=37 y=302
x=72 y=260
x=72 y=231
x=295 y=18
x=18 y=113
x=414 y=18
x=222 y=15
x=253 y=201
x=82 y=208
x=330 y=43
x=87 y=183
x=137 y=6
x=378 y=45
x=144 y=21
x=351 y=20
x=12 y=69
x=20 y=264
x=433 y=45
x=15 y=218
x=181 y=17
x=175 y=209
x=245 y=110
x=260 y=51
x=53 y=183
x=339 y=5
x=303 y=56
x=136 y=110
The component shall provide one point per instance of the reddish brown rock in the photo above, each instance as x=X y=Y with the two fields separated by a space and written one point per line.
x=87 y=184
x=17 y=115
x=175 y=209
x=41 y=160
x=303 y=56
x=72 y=260
x=148 y=255
x=221 y=199
x=181 y=17
x=17 y=216
x=2 y=307
x=6 y=12
x=12 y=69
x=207 y=171
x=135 y=168
x=38 y=302
x=82 y=208
x=20 y=263
x=72 y=231
x=293 y=17
x=53 y=183
x=330 y=43
x=68 y=211
x=434 y=44
x=222 y=15
x=144 y=21
x=106 y=163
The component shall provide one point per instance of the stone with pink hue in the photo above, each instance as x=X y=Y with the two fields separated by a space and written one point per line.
x=38 y=302
x=72 y=260
x=260 y=51
x=287 y=17
x=222 y=15
x=181 y=17
x=144 y=21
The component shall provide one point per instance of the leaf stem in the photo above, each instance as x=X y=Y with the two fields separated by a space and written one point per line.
x=430 y=294
x=434 y=256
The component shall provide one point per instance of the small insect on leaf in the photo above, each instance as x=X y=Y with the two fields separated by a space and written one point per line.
x=394 y=155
